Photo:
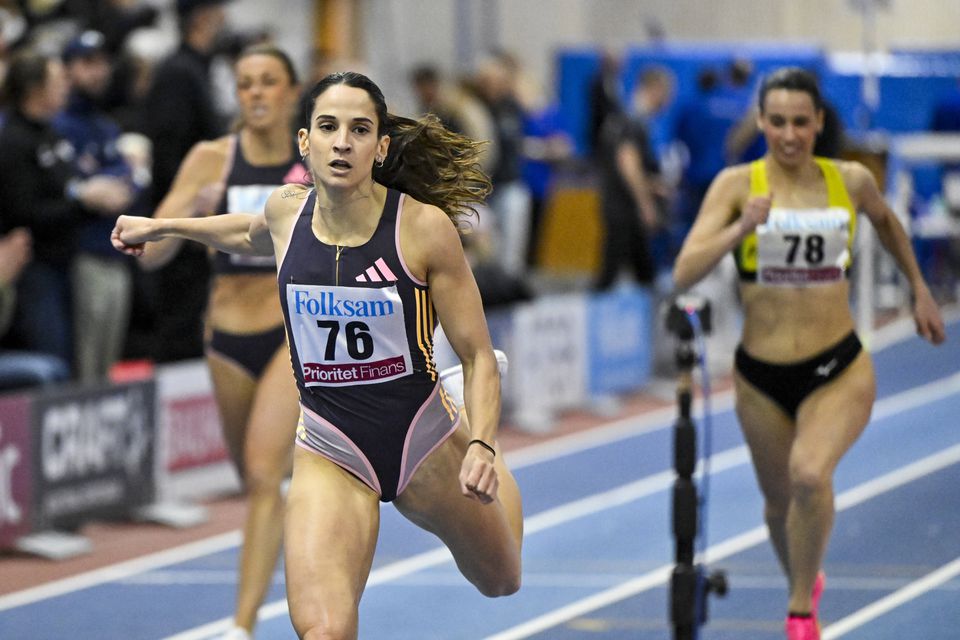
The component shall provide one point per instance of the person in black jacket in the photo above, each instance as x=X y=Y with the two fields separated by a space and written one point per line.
x=19 y=369
x=101 y=279
x=631 y=190
x=178 y=113
x=40 y=193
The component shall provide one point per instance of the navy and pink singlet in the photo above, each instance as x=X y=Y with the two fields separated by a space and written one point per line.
x=360 y=328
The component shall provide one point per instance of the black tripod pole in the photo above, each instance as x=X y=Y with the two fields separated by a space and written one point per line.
x=683 y=583
x=688 y=586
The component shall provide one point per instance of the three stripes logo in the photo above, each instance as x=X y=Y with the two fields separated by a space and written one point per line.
x=377 y=272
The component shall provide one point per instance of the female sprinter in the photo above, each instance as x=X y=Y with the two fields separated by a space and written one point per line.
x=804 y=385
x=245 y=345
x=369 y=261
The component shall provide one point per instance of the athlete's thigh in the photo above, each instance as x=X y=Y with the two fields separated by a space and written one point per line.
x=272 y=422
x=769 y=433
x=832 y=417
x=482 y=537
x=234 y=390
x=332 y=521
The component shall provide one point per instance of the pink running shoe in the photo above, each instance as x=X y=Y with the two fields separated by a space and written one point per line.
x=817 y=592
x=802 y=628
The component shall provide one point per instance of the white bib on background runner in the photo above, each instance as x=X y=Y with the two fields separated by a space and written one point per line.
x=348 y=335
x=803 y=246
x=249 y=198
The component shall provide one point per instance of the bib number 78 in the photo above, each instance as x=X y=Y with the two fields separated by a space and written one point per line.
x=358 y=339
x=812 y=247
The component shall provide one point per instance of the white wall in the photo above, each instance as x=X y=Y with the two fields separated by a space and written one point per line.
x=290 y=21
x=397 y=34
x=400 y=33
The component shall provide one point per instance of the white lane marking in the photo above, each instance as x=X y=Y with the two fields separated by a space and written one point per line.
x=902 y=596
x=564 y=445
x=905 y=327
x=624 y=494
x=122 y=570
x=622 y=429
x=857 y=495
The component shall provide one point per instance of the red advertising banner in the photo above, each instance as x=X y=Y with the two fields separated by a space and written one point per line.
x=16 y=474
x=194 y=436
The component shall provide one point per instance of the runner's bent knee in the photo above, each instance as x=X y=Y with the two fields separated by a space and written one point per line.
x=808 y=477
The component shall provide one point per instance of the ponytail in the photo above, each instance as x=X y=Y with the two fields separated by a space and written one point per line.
x=434 y=165
x=427 y=161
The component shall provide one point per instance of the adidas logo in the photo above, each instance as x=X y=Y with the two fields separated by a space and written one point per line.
x=377 y=272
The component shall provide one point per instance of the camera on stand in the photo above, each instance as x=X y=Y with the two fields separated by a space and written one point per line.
x=689 y=583
x=678 y=316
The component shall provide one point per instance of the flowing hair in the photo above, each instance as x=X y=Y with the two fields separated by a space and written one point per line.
x=425 y=160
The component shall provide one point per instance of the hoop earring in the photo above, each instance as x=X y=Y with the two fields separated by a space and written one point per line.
x=379 y=162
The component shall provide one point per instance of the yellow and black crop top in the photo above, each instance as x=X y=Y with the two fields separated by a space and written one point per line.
x=799 y=247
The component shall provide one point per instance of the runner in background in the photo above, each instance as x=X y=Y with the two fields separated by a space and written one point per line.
x=804 y=385
x=244 y=338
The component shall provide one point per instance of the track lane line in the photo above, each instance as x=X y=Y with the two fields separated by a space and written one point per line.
x=850 y=498
x=899 y=597
x=649 y=485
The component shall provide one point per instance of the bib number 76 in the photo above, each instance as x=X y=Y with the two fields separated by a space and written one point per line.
x=358 y=339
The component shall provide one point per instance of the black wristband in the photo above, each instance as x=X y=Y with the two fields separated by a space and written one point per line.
x=484 y=445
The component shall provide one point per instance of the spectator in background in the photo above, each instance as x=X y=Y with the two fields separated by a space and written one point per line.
x=246 y=351
x=546 y=146
x=458 y=107
x=477 y=121
x=703 y=125
x=21 y=369
x=133 y=44
x=459 y=112
x=631 y=194
x=510 y=200
x=40 y=192
x=545 y=143
x=604 y=98
x=117 y=19
x=178 y=113
x=431 y=97
x=101 y=278
x=12 y=27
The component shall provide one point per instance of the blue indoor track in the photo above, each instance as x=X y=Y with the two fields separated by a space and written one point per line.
x=598 y=550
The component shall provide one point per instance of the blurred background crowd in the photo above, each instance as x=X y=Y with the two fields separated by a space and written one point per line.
x=102 y=99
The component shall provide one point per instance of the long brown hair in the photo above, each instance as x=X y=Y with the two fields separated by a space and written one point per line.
x=426 y=160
